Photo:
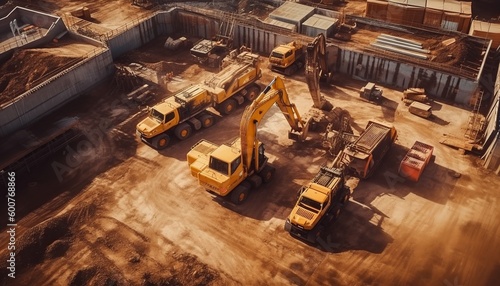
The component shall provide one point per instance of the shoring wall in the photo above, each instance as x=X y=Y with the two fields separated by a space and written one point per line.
x=401 y=75
x=55 y=92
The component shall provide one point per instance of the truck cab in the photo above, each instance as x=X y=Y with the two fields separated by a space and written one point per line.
x=161 y=118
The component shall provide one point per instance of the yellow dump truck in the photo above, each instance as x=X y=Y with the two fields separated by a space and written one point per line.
x=288 y=58
x=186 y=111
x=319 y=203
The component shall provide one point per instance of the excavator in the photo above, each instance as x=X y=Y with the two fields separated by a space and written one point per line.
x=234 y=169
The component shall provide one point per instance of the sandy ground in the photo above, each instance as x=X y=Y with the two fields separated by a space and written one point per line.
x=109 y=210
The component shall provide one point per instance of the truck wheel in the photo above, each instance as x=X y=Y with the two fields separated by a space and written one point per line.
x=207 y=120
x=253 y=92
x=183 y=131
x=344 y=198
x=161 y=141
x=228 y=106
x=239 y=194
x=267 y=173
x=255 y=181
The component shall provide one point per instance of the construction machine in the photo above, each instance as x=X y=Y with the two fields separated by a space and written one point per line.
x=371 y=92
x=367 y=151
x=234 y=169
x=319 y=202
x=186 y=111
x=316 y=69
x=287 y=58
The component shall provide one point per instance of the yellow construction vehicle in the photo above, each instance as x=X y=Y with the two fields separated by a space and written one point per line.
x=185 y=112
x=235 y=168
x=319 y=203
x=287 y=59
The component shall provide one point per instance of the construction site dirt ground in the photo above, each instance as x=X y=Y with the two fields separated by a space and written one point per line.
x=110 y=210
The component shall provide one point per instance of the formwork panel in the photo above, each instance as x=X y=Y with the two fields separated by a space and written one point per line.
x=433 y=17
x=376 y=9
x=395 y=13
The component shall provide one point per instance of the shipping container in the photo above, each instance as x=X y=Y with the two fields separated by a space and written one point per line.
x=292 y=13
x=413 y=164
x=319 y=24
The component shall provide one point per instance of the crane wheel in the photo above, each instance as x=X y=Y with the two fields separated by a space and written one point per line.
x=255 y=181
x=252 y=93
x=228 y=106
x=267 y=173
x=161 y=141
x=345 y=198
x=207 y=120
x=336 y=211
x=239 y=194
x=183 y=131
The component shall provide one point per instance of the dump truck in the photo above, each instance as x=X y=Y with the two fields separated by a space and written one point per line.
x=366 y=153
x=233 y=169
x=319 y=202
x=186 y=111
x=287 y=59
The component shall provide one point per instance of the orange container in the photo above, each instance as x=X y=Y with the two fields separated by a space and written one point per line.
x=413 y=164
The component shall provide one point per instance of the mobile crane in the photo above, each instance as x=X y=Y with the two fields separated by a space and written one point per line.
x=185 y=112
x=235 y=168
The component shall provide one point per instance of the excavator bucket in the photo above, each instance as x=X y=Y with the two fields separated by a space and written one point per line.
x=296 y=136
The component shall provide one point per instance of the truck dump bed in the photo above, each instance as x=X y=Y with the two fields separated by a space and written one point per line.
x=371 y=137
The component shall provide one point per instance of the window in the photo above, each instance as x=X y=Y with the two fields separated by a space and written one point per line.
x=219 y=166
x=235 y=164
x=276 y=55
x=289 y=53
x=169 y=117
x=157 y=115
x=310 y=204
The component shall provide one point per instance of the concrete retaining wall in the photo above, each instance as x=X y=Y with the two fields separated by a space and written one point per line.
x=55 y=92
x=403 y=76
x=53 y=24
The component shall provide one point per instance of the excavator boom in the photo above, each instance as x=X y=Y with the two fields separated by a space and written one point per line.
x=275 y=92
x=316 y=67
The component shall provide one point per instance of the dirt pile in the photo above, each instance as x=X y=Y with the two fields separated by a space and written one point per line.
x=27 y=68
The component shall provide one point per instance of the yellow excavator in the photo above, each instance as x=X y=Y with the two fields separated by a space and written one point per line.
x=235 y=168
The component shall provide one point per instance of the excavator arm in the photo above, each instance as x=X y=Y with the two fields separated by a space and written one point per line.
x=275 y=92
x=316 y=68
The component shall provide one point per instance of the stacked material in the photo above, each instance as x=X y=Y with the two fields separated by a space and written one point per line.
x=401 y=46
x=414 y=94
x=420 y=109
x=413 y=164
